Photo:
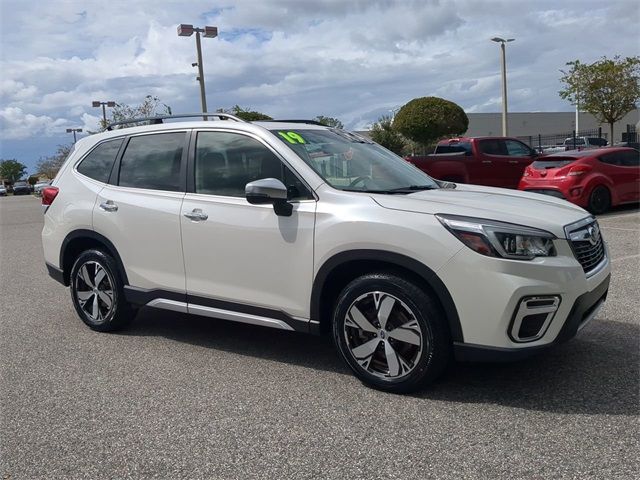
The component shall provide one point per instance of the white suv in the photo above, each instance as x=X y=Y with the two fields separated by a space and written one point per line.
x=298 y=226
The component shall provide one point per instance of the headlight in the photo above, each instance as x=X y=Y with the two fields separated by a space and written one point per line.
x=499 y=239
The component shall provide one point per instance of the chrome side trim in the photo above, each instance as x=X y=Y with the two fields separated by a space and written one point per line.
x=237 y=317
x=168 y=305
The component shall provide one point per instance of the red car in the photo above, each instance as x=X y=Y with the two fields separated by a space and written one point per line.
x=593 y=179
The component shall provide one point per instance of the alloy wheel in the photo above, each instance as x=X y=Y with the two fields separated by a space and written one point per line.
x=383 y=335
x=94 y=291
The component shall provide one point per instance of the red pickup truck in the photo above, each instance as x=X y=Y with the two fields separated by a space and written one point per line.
x=492 y=161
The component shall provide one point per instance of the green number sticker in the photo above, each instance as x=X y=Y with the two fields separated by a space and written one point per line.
x=292 y=137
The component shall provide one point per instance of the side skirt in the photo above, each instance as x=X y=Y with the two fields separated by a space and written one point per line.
x=213 y=308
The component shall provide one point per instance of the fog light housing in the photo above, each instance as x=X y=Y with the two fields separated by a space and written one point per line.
x=533 y=317
x=575 y=192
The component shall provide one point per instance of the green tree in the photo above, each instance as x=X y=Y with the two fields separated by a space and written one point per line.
x=329 y=121
x=608 y=89
x=49 y=166
x=427 y=119
x=32 y=180
x=245 y=113
x=382 y=132
x=150 y=107
x=12 y=170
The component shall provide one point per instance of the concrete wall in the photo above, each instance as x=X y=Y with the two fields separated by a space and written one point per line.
x=544 y=123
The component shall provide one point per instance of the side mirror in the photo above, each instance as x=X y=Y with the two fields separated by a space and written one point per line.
x=269 y=190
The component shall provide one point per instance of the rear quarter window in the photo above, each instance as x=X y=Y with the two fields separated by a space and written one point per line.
x=630 y=159
x=99 y=162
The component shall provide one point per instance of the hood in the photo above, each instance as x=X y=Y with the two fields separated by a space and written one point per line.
x=512 y=206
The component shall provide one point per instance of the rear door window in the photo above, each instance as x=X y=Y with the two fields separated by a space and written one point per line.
x=99 y=162
x=153 y=162
x=493 y=146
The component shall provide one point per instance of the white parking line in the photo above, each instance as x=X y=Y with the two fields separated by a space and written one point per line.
x=625 y=258
x=624 y=229
x=614 y=216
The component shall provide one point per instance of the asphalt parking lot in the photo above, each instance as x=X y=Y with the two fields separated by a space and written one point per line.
x=189 y=397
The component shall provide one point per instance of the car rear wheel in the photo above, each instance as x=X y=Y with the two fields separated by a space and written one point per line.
x=391 y=333
x=599 y=200
x=97 y=292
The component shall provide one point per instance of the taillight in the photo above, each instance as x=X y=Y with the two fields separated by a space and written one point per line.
x=579 y=170
x=49 y=195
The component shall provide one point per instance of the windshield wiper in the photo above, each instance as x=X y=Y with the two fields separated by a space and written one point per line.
x=413 y=188
x=409 y=189
x=364 y=191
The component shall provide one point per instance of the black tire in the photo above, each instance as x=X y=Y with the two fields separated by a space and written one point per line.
x=90 y=298
x=408 y=301
x=599 y=200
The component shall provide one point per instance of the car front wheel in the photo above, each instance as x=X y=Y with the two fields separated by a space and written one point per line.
x=391 y=333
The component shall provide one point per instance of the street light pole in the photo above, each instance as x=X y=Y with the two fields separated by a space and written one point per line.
x=110 y=104
x=74 y=130
x=203 y=96
x=186 y=30
x=502 y=42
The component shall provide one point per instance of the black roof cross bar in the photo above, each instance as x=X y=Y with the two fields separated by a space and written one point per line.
x=160 y=119
x=309 y=122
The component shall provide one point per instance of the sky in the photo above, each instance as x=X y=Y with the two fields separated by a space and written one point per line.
x=351 y=59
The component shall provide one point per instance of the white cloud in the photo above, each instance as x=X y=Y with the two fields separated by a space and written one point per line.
x=16 y=124
x=354 y=60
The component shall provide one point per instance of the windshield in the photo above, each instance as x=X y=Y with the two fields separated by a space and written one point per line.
x=351 y=162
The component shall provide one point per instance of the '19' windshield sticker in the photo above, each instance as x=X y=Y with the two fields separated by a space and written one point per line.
x=292 y=137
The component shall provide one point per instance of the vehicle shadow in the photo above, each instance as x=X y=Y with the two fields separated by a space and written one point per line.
x=626 y=208
x=598 y=372
x=261 y=342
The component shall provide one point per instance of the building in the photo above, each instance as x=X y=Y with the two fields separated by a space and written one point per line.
x=525 y=124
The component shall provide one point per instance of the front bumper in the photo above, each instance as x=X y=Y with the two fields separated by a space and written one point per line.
x=56 y=273
x=488 y=291
x=584 y=309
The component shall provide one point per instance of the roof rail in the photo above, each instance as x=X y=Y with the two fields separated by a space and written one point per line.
x=310 y=122
x=160 y=119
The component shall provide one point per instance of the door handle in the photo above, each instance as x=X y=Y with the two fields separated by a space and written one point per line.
x=487 y=161
x=109 y=206
x=513 y=161
x=196 y=215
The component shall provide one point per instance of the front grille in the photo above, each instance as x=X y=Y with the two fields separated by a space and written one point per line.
x=587 y=244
